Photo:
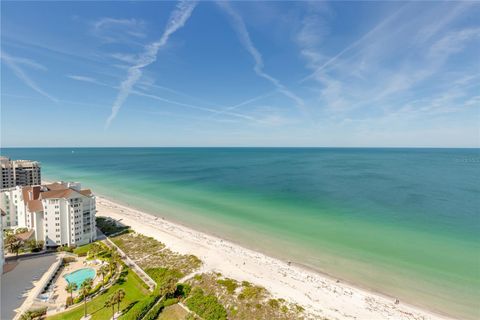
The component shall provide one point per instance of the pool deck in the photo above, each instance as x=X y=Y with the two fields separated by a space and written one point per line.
x=61 y=283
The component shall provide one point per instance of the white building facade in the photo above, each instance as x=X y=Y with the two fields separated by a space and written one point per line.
x=11 y=202
x=59 y=213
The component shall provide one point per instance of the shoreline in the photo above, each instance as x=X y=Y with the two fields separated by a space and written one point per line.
x=320 y=294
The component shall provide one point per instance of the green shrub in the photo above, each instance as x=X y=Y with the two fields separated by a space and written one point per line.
x=141 y=308
x=273 y=303
x=206 y=306
x=299 y=308
x=230 y=284
x=68 y=260
x=78 y=298
x=153 y=313
x=95 y=289
x=246 y=284
x=252 y=292
x=183 y=290
x=65 y=248
x=169 y=302
x=34 y=313
x=69 y=301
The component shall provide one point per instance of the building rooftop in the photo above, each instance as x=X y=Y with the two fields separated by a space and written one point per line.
x=33 y=195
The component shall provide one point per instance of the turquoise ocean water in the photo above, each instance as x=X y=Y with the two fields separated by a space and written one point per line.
x=403 y=222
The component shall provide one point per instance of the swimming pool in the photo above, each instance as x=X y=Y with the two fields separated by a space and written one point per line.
x=80 y=275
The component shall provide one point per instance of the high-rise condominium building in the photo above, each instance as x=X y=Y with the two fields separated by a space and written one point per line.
x=19 y=173
x=59 y=213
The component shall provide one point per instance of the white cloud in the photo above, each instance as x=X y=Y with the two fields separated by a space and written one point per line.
x=130 y=26
x=177 y=19
x=82 y=78
x=386 y=69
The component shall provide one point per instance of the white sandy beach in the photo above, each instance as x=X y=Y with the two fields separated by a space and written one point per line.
x=320 y=295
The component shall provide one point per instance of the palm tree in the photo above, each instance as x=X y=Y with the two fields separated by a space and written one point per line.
x=103 y=271
x=112 y=265
x=85 y=290
x=114 y=255
x=95 y=249
x=15 y=247
x=119 y=295
x=72 y=286
x=13 y=243
x=111 y=303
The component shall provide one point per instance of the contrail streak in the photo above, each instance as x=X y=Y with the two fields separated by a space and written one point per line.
x=10 y=62
x=242 y=32
x=177 y=19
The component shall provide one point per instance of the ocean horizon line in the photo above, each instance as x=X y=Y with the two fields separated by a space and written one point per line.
x=246 y=147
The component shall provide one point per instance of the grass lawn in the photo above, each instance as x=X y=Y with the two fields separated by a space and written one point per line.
x=174 y=312
x=83 y=250
x=133 y=287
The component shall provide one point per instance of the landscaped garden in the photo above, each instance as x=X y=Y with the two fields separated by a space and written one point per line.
x=134 y=292
x=20 y=241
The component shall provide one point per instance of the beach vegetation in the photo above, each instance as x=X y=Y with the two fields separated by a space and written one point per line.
x=109 y=226
x=246 y=301
x=230 y=284
x=182 y=290
x=149 y=253
x=274 y=303
x=164 y=277
x=206 y=306
x=252 y=292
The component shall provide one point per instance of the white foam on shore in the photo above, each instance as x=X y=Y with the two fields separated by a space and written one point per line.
x=320 y=295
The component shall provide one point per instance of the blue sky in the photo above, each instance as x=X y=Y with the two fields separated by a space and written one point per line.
x=240 y=74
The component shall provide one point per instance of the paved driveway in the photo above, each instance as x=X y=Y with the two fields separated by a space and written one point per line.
x=15 y=283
